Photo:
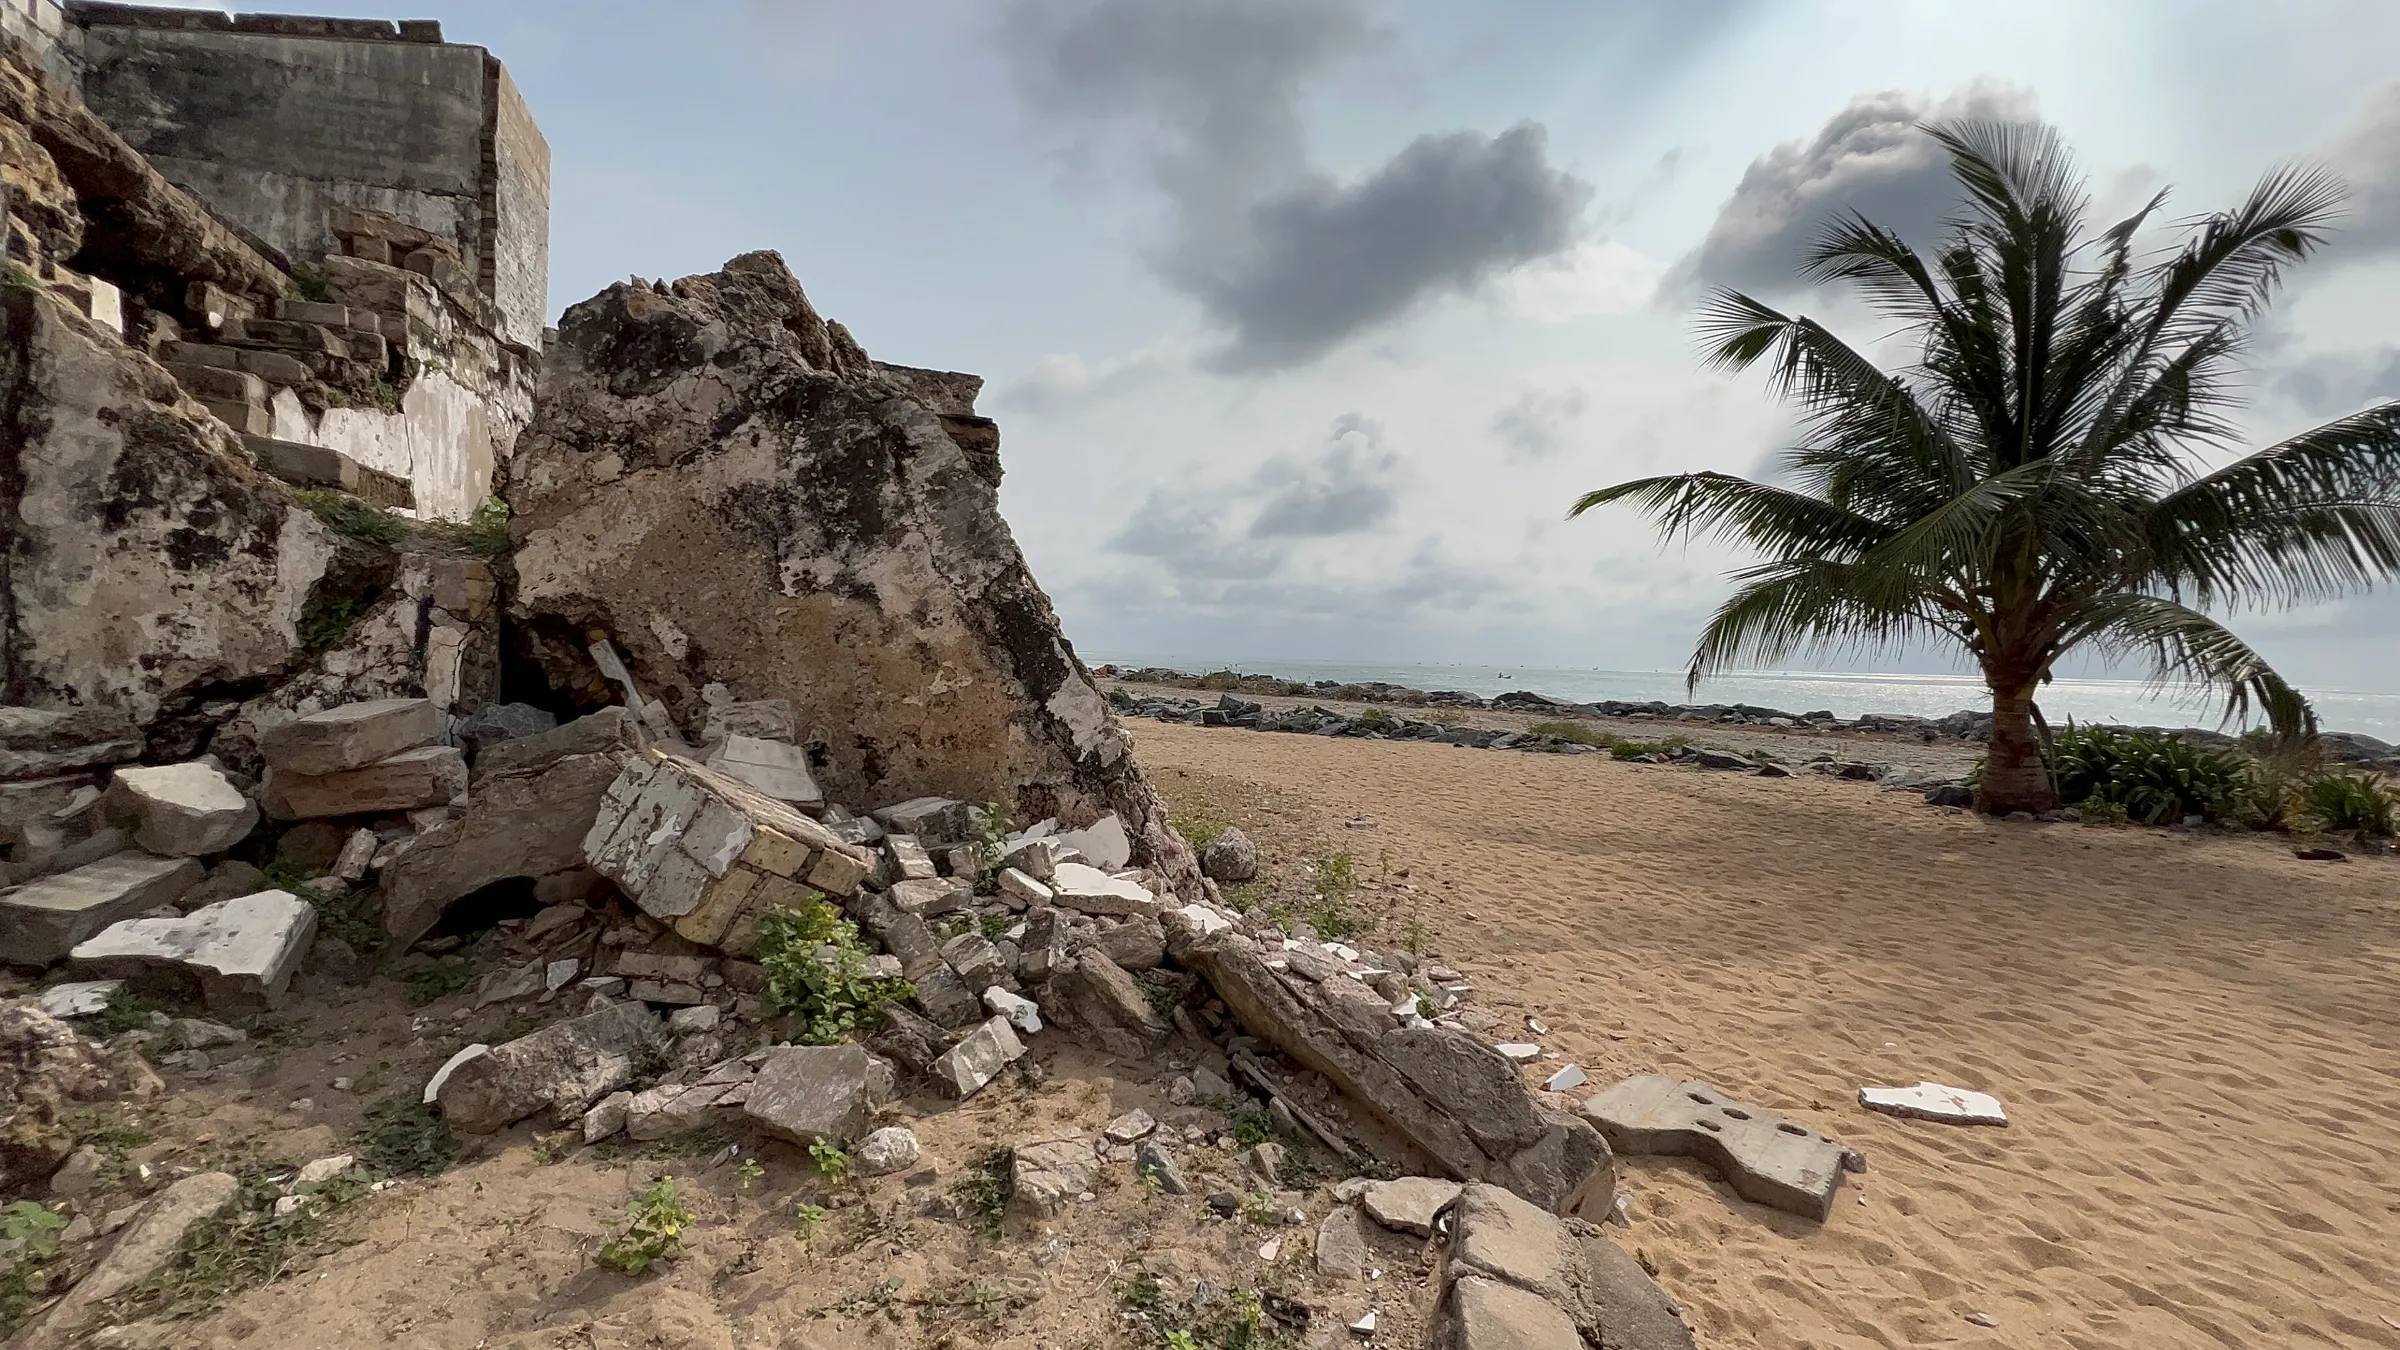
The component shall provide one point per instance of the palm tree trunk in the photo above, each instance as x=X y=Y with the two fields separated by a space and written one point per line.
x=2015 y=778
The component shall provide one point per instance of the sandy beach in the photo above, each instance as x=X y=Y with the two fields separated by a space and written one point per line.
x=2198 y=1036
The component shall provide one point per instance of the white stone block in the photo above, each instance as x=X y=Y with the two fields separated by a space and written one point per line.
x=242 y=952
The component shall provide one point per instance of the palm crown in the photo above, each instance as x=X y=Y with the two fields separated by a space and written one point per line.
x=2037 y=480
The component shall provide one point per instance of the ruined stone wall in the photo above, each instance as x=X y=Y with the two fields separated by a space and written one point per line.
x=41 y=25
x=149 y=567
x=720 y=482
x=516 y=248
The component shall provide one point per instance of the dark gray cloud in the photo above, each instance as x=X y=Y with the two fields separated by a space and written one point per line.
x=1327 y=260
x=1244 y=529
x=1207 y=96
x=1350 y=487
x=1535 y=425
x=2368 y=154
x=1870 y=157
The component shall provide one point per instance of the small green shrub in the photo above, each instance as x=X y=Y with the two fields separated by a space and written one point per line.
x=347 y=515
x=1252 y=1125
x=1199 y=822
x=2357 y=805
x=1621 y=748
x=982 y=1195
x=403 y=1136
x=2157 y=777
x=805 y=1218
x=437 y=979
x=832 y=1163
x=126 y=1011
x=653 y=1230
x=1243 y=1319
x=993 y=824
x=28 y=1241
x=1576 y=732
x=816 y=972
x=244 y=1245
x=309 y=283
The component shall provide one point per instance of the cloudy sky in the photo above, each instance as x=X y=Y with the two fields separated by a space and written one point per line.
x=1306 y=319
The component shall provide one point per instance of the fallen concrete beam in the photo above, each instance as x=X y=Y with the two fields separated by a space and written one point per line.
x=1765 y=1158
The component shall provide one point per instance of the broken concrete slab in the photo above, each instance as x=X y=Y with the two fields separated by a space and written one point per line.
x=978 y=1058
x=778 y=769
x=1016 y=884
x=805 y=1093
x=42 y=921
x=562 y=1068
x=1138 y=943
x=1603 y=1295
x=515 y=825
x=931 y=820
x=429 y=775
x=1765 y=1158
x=1480 y=1314
x=351 y=736
x=1022 y=1013
x=1458 y=1101
x=1341 y=1244
x=1079 y=886
x=1047 y=1175
x=909 y=860
x=930 y=899
x=236 y=955
x=1934 y=1101
x=180 y=810
x=708 y=855
x=1408 y=1204
x=1103 y=843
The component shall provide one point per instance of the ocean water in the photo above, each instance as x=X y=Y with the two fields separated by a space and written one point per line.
x=1845 y=694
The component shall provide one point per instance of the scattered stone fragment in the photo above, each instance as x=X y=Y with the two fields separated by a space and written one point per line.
x=430 y=775
x=325 y=1169
x=1341 y=1244
x=1519 y=1050
x=1229 y=858
x=910 y=1040
x=441 y=1076
x=180 y=810
x=807 y=1093
x=193 y=1033
x=607 y=1117
x=610 y=731
x=1933 y=1101
x=1210 y=1086
x=1408 y=1204
x=78 y=1174
x=148 y=1244
x=510 y=984
x=1765 y=1158
x=357 y=854
x=909 y=860
x=1036 y=858
x=1598 y=1292
x=1364 y=1327
x=1571 y=1076
x=883 y=1152
x=562 y=1068
x=978 y=1058
x=937 y=820
x=1152 y=1163
x=1022 y=1013
x=1097 y=1000
x=41 y=921
x=693 y=1020
x=1271 y=1250
x=1049 y=1173
x=1984 y=1319
x=236 y=955
x=79 y=998
x=1125 y=1129
x=1019 y=885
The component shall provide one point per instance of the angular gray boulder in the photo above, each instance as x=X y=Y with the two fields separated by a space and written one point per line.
x=1515 y=1275
x=807 y=1093
x=351 y=736
x=562 y=1068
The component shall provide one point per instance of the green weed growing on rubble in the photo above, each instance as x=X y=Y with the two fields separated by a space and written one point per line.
x=817 y=972
x=28 y=1241
x=347 y=515
x=982 y=1195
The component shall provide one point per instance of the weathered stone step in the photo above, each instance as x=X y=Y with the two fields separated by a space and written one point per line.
x=317 y=466
x=42 y=921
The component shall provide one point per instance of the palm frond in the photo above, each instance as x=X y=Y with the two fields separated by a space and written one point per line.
x=2184 y=644
x=1783 y=607
x=2312 y=517
x=1771 y=519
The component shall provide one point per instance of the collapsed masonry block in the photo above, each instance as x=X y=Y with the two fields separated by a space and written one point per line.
x=1457 y=1100
x=1103 y=843
x=42 y=921
x=1080 y=887
x=46 y=742
x=515 y=825
x=430 y=775
x=605 y=732
x=978 y=1058
x=1513 y=1274
x=1765 y=1158
x=180 y=810
x=316 y=466
x=564 y=1068
x=239 y=955
x=778 y=769
x=1093 y=997
x=1048 y=1174
x=933 y=820
x=708 y=855
x=351 y=736
x=805 y=1093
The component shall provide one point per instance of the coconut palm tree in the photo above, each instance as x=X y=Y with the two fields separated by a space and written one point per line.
x=2038 y=480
